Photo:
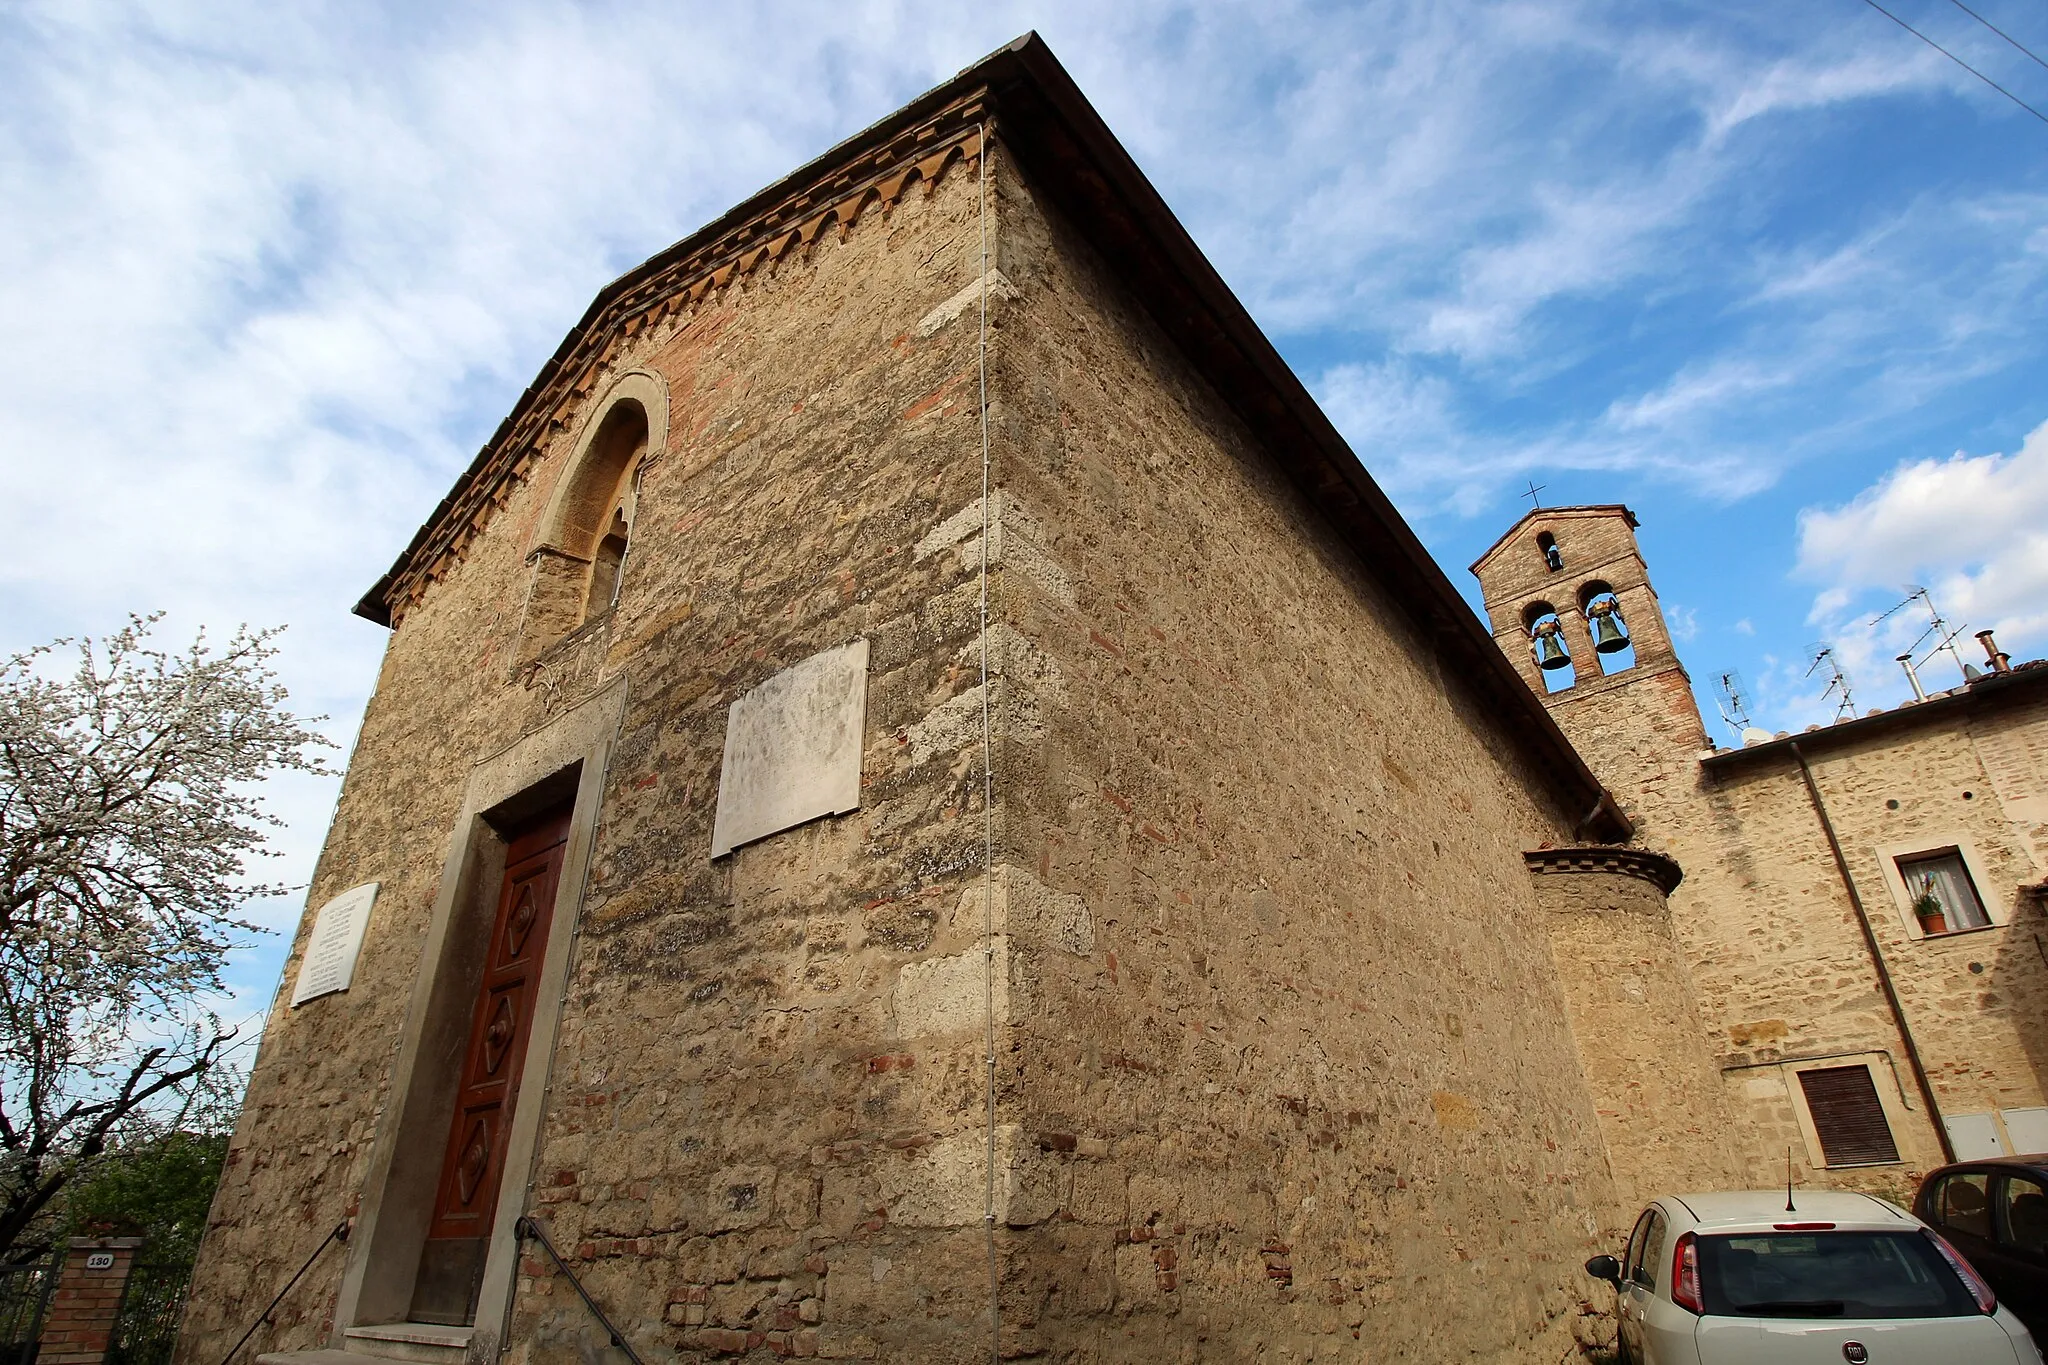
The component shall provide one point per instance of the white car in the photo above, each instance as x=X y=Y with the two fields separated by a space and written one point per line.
x=1740 y=1279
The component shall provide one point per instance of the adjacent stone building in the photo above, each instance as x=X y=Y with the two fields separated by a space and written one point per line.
x=1836 y=1024
x=920 y=803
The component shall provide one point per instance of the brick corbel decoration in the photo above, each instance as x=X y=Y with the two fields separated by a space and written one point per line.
x=832 y=194
x=1656 y=868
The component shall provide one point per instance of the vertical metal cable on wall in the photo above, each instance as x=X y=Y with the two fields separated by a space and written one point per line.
x=988 y=826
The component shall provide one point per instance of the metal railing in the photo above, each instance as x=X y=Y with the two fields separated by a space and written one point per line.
x=527 y=1227
x=146 y=1332
x=24 y=1294
x=340 y=1234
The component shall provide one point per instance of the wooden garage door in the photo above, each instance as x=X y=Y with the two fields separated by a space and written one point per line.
x=1848 y=1117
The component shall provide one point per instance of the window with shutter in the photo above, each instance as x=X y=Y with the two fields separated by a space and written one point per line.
x=1848 y=1116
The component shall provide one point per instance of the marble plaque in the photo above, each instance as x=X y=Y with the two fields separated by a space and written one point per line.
x=332 y=947
x=792 y=748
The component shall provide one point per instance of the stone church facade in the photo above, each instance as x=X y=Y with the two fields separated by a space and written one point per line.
x=921 y=804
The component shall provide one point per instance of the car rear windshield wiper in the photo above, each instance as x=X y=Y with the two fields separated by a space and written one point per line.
x=1802 y=1308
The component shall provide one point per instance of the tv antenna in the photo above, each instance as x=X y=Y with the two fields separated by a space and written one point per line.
x=1823 y=657
x=1733 y=700
x=1938 y=630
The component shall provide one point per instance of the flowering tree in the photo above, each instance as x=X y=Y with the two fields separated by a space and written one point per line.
x=127 y=814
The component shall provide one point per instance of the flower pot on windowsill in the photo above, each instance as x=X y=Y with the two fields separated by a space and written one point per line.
x=1936 y=923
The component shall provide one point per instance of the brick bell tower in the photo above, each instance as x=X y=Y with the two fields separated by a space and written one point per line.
x=1569 y=601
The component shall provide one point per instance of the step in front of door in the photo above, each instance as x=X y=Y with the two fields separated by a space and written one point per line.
x=423 y=1342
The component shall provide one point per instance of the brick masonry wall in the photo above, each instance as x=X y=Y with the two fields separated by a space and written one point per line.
x=78 y=1325
x=1768 y=936
x=1294 y=1050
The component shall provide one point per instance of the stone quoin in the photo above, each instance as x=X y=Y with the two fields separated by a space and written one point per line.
x=923 y=803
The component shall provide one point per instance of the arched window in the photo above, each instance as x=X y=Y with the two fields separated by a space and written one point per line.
x=598 y=516
x=1553 y=558
x=1611 y=643
x=1547 y=643
x=583 y=552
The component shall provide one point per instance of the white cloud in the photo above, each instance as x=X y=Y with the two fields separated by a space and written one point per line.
x=1971 y=529
x=275 y=272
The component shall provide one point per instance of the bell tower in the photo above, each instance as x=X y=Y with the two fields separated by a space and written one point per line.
x=1569 y=601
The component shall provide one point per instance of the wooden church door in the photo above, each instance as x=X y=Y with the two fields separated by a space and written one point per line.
x=466 y=1197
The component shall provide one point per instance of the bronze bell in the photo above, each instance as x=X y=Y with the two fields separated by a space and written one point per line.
x=1549 y=649
x=1607 y=633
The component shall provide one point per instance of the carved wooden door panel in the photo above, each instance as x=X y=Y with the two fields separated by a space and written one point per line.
x=465 y=1200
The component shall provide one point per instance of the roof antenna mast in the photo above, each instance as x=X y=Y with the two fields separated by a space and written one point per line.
x=1733 y=701
x=1823 y=655
x=1938 y=629
x=1788 y=1182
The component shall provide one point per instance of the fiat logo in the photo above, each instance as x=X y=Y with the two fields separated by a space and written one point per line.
x=1854 y=1353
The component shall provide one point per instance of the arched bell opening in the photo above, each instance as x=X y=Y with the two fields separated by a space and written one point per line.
x=1612 y=645
x=1547 y=644
x=1553 y=558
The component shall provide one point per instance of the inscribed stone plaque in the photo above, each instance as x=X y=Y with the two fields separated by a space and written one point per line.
x=331 y=949
x=792 y=748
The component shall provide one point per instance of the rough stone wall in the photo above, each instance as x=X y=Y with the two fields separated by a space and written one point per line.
x=743 y=1141
x=1767 y=934
x=2012 y=744
x=1657 y=1085
x=1294 y=1045
x=1783 y=965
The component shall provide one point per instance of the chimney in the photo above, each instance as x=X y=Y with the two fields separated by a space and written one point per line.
x=1919 y=692
x=2000 y=663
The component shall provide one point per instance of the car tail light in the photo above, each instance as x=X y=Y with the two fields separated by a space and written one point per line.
x=1685 y=1275
x=1804 y=1227
x=1987 y=1302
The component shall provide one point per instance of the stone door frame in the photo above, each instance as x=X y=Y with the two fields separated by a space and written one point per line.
x=562 y=762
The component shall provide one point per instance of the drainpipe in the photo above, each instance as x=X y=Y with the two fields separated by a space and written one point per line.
x=1884 y=976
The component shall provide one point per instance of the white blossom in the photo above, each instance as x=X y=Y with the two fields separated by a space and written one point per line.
x=128 y=815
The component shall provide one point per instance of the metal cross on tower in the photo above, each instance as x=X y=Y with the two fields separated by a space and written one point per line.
x=1532 y=490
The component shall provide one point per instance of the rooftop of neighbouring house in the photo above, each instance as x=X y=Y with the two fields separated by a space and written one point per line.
x=2020 y=683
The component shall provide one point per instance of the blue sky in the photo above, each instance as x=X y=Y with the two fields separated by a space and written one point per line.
x=1769 y=273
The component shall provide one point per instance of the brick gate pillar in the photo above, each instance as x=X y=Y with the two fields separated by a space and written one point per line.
x=78 y=1328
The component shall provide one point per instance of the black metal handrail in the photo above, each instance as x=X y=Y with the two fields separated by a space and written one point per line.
x=527 y=1227
x=340 y=1234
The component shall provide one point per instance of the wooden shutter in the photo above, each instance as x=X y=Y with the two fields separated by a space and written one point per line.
x=1848 y=1117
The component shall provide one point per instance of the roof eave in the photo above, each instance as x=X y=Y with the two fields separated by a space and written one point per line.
x=1339 y=483
x=1132 y=225
x=1991 y=687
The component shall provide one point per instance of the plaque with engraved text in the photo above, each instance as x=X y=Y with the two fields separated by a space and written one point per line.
x=332 y=947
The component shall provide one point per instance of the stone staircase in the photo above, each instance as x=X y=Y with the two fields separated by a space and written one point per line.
x=423 y=1343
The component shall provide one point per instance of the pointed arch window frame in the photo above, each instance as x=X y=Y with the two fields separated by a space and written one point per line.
x=650 y=391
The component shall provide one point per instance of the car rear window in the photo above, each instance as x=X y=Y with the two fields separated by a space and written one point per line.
x=1829 y=1275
